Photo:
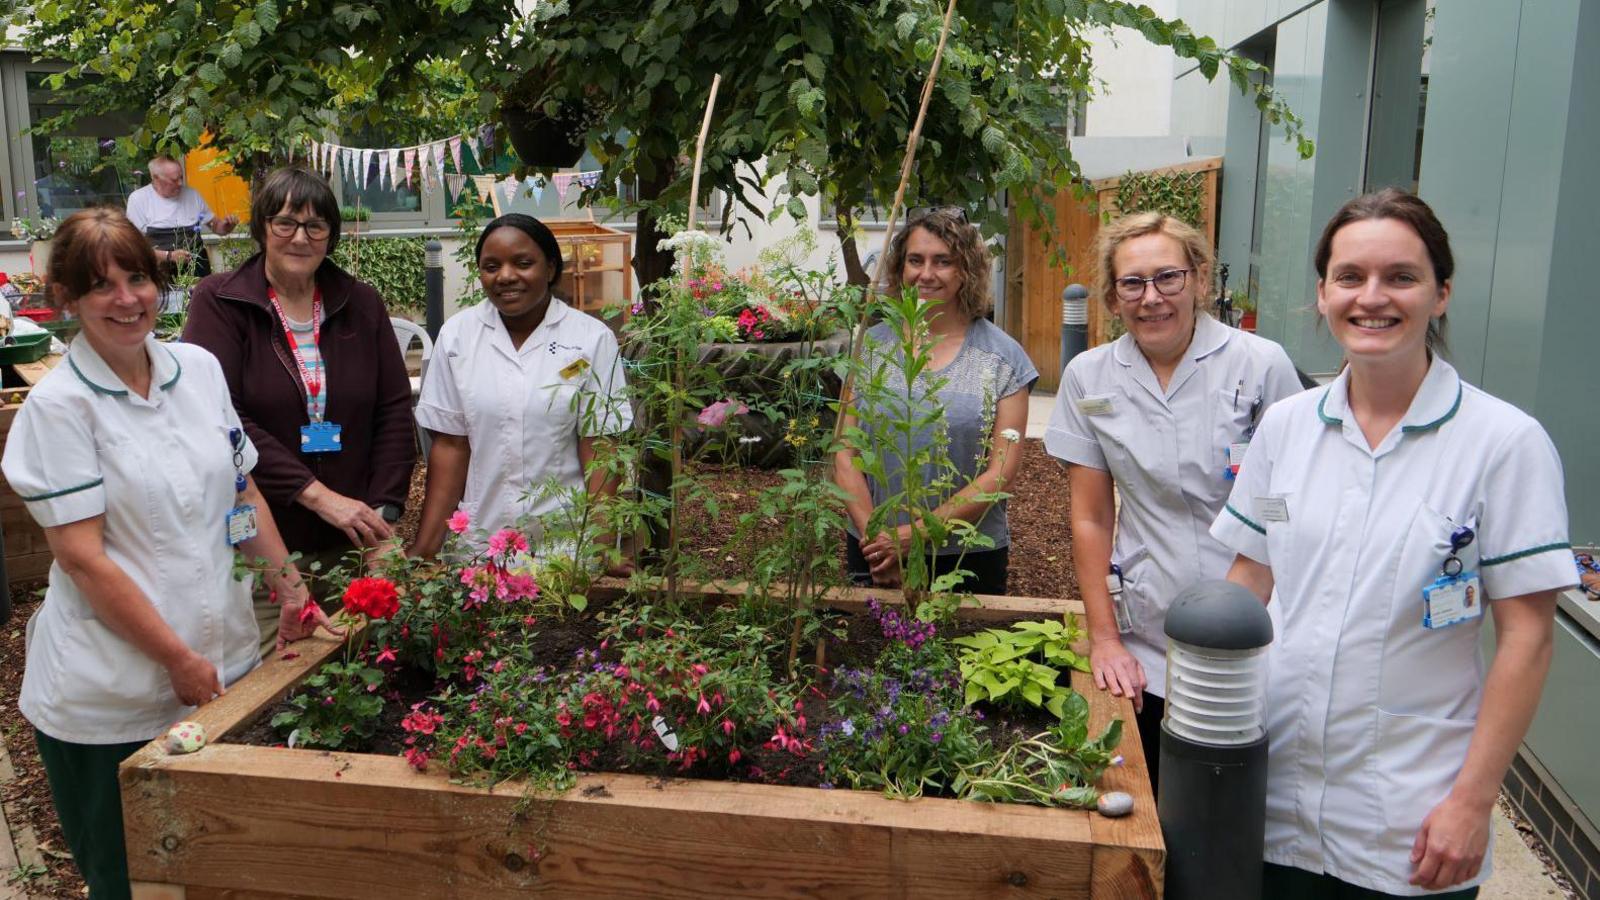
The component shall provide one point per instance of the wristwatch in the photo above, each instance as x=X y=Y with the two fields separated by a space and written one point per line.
x=389 y=511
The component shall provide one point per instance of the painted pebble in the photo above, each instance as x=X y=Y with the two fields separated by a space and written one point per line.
x=1115 y=803
x=185 y=737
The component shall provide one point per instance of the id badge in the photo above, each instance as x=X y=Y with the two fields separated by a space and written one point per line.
x=1451 y=599
x=241 y=524
x=320 y=437
x=1236 y=457
x=1119 y=604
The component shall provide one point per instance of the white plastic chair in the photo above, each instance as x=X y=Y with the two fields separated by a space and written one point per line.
x=406 y=331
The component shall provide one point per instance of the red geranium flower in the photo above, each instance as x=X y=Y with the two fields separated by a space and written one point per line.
x=375 y=598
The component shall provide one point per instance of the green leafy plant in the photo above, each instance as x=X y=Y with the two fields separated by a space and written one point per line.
x=392 y=265
x=336 y=709
x=1020 y=664
x=1178 y=194
x=1056 y=768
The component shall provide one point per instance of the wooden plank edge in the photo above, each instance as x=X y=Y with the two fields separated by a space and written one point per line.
x=981 y=607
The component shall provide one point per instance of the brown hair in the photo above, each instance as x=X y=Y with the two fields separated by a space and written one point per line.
x=1410 y=210
x=1136 y=225
x=294 y=188
x=972 y=257
x=87 y=242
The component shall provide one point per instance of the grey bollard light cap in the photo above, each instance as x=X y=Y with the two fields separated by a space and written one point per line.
x=1219 y=615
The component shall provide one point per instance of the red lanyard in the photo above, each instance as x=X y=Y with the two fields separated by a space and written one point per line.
x=313 y=385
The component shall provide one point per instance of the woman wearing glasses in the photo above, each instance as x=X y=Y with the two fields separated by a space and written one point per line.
x=1162 y=414
x=316 y=375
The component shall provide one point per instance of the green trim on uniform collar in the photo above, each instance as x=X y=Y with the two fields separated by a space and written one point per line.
x=1512 y=557
x=51 y=495
x=1243 y=518
x=109 y=392
x=177 y=366
x=1449 y=414
x=1327 y=419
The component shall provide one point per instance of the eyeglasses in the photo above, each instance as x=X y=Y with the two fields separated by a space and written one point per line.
x=1168 y=283
x=286 y=226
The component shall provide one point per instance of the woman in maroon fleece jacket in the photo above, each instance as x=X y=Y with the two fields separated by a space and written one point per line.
x=316 y=375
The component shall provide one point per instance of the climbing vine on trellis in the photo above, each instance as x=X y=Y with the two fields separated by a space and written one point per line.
x=1178 y=194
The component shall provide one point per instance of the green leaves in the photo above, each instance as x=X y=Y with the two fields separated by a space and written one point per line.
x=1021 y=665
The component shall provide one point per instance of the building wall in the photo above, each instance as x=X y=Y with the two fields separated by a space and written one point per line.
x=1135 y=97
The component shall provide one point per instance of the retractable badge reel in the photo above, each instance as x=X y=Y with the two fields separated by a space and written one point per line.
x=242 y=518
x=1119 y=600
x=1456 y=595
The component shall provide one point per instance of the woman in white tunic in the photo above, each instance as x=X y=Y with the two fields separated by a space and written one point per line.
x=130 y=456
x=1381 y=514
x=1163 y=413
x=519 y=391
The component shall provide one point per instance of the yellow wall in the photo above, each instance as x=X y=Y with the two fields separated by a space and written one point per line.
x=224 y=191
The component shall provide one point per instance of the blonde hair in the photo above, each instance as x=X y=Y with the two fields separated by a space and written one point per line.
x=1195 y=249
x=966 y=246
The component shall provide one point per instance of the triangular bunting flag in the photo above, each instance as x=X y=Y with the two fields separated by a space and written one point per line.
x=394 y=168
x=508 y=189
x=316 y=154
x=455 y=152
x=440 y=151
x=453 y=185
x=534 y=187
x=484 y=185
x=564 y=184
x=589 y=179
x=471 y=141
x=366 y=167
x=407 y=157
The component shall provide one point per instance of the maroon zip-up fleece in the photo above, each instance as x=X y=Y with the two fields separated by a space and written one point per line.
x=368 y=393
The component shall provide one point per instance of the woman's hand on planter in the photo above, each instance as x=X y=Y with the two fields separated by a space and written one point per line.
x=362 y=524
x=883 y=554
x=194 y=679
x=1117 y=670
x=299 y=617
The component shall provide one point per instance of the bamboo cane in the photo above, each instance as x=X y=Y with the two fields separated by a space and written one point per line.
x=678 y=386
x=859 y=334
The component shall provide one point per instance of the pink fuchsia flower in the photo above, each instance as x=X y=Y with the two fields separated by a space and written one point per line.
x=387 y=655
x=703 y=708
x=714 y=415
x=459 y=521
x=507 y=540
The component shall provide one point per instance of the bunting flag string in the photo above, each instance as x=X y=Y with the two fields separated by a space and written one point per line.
x=438 y=165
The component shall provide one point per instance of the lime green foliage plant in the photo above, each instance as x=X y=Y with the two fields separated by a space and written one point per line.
x=1020 y=665
x=1058 y=767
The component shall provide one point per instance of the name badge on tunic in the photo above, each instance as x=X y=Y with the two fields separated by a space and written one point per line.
x=241 y=524
x=320 y=437
x=575 y=368
x=1095 y=406
x=1452 y=599
x=1273 y=509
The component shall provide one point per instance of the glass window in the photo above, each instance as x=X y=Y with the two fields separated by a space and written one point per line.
x=379 y=196
x=81 y=166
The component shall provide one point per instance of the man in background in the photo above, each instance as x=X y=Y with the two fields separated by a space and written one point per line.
x=172 y=215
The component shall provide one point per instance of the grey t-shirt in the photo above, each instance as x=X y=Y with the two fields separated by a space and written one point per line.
x=990 y=366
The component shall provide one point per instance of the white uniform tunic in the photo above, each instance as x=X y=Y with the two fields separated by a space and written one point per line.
x=161 y=472
x=522 y=409
x=1369 y=713
x=1168 y=454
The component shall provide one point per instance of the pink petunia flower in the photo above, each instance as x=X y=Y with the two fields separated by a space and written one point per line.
x=460 y=521
x=714 y=415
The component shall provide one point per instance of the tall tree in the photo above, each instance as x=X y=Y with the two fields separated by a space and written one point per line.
x=818 y=96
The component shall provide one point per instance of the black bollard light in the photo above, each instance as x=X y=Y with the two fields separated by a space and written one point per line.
x=1074 y=322
x=433 y=283
x=1213 y=793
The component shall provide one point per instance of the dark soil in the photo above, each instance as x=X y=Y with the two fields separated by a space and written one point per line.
x=1041 y=566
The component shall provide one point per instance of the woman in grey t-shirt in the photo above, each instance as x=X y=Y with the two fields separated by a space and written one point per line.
x=978 y=375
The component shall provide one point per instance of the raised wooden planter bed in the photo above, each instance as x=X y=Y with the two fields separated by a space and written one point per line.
x=237 y=821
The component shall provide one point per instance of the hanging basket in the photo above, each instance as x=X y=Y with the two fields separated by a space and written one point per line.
x=544 y=141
